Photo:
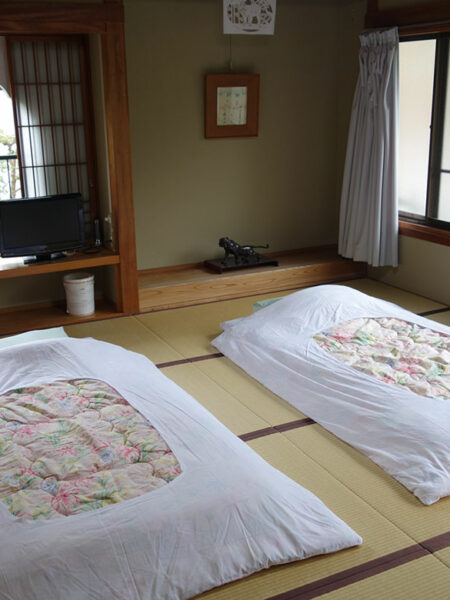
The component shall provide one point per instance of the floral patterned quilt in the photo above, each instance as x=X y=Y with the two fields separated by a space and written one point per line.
x=394 y=351
x=73 y=446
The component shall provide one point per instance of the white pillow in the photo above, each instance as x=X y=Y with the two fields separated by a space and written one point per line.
x=263 y=303
x=33 y=336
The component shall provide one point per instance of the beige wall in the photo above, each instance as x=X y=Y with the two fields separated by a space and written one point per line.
x=279 y=187
x=351 y=24
x=424 y=269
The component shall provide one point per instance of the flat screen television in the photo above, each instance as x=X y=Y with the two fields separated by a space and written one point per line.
x=41 y=227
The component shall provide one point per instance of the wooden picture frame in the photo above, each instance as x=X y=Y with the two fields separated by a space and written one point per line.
x=231 y=105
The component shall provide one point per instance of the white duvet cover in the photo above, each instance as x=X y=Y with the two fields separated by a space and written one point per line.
x=406 y=434
x=228 y=513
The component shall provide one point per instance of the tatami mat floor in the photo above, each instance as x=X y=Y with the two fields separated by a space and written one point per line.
x=406 y=550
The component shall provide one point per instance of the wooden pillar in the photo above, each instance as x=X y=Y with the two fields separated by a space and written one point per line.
x=119 y=154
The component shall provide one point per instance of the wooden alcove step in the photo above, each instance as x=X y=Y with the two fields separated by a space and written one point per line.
x=184 y=285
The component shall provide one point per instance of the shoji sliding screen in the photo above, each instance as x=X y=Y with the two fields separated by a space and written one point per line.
x=50 y=91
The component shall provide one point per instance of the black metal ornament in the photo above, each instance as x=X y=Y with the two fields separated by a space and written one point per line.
x=239 y=256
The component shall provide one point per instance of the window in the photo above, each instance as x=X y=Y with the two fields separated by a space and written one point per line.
x=9 y=167
x=424 y=137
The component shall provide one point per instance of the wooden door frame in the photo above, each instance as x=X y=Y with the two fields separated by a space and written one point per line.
x=106 y=20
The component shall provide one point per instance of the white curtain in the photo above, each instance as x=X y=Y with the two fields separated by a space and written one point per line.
x=47 y=78
x=368 y=228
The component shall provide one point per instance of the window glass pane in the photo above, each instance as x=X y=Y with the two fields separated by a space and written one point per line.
x=446 y=140
x=444 y=198
x=415 y=106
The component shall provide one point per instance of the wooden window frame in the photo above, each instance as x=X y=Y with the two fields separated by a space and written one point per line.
x=430 y=17
x=424 y=232
x=106 y=20
x=419 y=20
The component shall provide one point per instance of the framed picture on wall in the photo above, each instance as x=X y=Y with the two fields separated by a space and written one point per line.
x=231 y=105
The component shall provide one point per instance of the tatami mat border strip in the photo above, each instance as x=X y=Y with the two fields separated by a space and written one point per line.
x=354 y=574
x=368 y=569
x=294 y=424
x=437 y=543
x=253 y=435
x=206 y=357
x=434 y=312
x=184 y=361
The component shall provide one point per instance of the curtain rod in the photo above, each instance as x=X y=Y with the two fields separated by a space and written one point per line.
x=416 y=29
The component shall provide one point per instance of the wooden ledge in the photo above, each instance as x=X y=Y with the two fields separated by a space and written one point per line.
x=50 y=314
x=193 y=284
x=423 y=232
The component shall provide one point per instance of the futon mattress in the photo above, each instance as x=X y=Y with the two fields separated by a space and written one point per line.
x=372 y=373
x=117 y=484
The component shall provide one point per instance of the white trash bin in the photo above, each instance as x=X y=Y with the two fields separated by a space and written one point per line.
x=79 y=293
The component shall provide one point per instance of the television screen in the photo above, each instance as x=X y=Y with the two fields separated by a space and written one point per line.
x=36 y=226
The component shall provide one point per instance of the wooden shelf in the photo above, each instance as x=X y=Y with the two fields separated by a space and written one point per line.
x=18 y=319
x=78 y=260
x=193 y=284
